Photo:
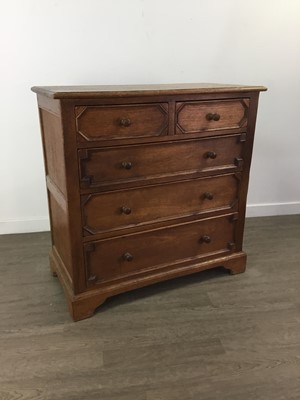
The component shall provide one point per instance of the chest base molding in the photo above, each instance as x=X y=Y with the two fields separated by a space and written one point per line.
x=84 y=305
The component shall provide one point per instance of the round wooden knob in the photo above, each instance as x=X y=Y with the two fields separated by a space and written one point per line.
x=126 y=165
x=211 y=154
x=126 y=210
x=208 y=195
x=231 y=245
x=213 y=117
x=125 y=122
x=127 y=257
x=205 y=239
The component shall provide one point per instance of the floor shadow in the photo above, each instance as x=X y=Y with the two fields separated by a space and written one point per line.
x=162 y=287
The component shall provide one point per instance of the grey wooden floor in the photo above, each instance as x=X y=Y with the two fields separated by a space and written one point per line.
x=208 y=336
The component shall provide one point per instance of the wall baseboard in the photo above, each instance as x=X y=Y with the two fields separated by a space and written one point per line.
x=41 y=224
x=271 y=209
x=26 y=225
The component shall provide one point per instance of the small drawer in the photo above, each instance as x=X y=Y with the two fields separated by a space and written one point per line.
x=111 y=166
x=126 y=255
x=137 y=207
x=96 y=123
x=203 y=116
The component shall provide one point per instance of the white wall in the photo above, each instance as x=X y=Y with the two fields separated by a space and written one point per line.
x=148 y=41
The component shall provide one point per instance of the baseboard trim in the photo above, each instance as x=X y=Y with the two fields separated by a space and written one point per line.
x=35 y=224
x=272 y=209
x=41 y=224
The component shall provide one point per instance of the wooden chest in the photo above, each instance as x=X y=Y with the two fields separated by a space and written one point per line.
x=145 y=183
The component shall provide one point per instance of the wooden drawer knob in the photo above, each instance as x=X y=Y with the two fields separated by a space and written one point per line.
x=211 y=154
x=126 y=210
x=213 y=117
x=125 y=122
x=231 y=245
x=205 y=239
x=127 y=257
x=126 y=165
x=208 y=195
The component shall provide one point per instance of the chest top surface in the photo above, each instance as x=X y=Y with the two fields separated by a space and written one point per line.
x=99 y=91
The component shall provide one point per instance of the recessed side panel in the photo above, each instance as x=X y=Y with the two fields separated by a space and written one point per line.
x=53 y=149
x=61 y=239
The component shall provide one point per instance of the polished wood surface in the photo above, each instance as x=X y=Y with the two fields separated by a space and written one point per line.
x=203 y=336
x=53 y=141
x=98 y=91
x=145 y=205
x=123 y=121
x=149 y=163
x=161 y=249
x=198 y=116
x=144 y=184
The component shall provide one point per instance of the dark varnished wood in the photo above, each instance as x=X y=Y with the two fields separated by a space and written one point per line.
x=194 y=117
x=123 y=121
x=106 y=167
x=99 y=91
x=61 y=235
x=145 y=183
x=55 y=164
x=164 y=248
x=113 y=210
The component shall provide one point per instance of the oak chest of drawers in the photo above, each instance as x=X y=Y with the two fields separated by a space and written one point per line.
x=145 y=183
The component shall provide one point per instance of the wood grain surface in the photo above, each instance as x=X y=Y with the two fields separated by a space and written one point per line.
x=204 y=336
x=144 y=205
x=103 y=167
x=98 y=91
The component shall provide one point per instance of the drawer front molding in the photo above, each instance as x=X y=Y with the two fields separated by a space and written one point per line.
x=110 y=167
x=98 y=123
x=113 y=258
x=111 y=211
x=203 y=116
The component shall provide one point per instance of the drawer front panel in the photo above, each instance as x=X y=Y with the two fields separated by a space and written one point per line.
x=111 y=258
x=118 y=210
x=144 y=163
x=202 y=116
x=94 y=123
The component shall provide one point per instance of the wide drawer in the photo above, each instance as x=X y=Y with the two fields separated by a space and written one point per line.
x=110 y=166
x=135 y=207
x=96 y=123
x=111 y=259
x=202 y=116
